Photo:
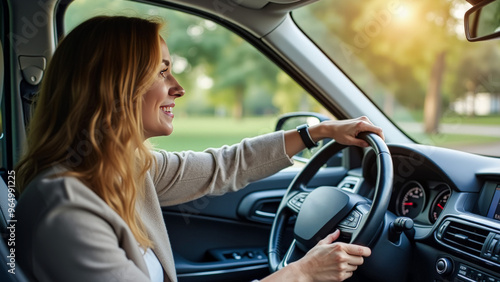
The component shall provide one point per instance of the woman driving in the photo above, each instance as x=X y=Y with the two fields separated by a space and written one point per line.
x=92 y=188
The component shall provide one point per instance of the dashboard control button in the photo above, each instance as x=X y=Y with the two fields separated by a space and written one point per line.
x=444 y=266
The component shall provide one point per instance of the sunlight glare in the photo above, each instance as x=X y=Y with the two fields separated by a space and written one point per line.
x=204 y=82
x=403 y=13
x=458 y=12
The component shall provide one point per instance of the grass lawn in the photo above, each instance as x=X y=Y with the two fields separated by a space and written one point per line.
x=199 y=133
x=455 y=118
x=447 y=140
x=482 y=120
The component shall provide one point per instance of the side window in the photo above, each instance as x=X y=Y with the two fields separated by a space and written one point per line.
x=232 y=90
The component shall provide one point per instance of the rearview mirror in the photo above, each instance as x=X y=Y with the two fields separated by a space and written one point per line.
x=482 y=22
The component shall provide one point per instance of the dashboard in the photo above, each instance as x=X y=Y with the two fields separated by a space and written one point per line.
x=453 y=199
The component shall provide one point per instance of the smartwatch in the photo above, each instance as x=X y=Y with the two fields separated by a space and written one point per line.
x=306 y=137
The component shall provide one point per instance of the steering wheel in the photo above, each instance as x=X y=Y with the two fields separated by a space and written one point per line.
x=324 y=209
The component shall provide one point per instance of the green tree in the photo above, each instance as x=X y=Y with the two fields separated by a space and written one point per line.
x=240 y=70
x=476 y=73
x=402 y=43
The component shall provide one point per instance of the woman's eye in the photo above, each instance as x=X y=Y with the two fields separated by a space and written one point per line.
x=163 y=73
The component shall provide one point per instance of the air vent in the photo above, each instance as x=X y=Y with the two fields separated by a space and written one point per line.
x=350 y=184
x=467 y=238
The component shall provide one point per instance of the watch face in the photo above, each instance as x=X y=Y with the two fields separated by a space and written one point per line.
x=306 y=137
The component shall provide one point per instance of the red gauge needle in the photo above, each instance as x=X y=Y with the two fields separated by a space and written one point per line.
x=439 y=205
x=407 y=204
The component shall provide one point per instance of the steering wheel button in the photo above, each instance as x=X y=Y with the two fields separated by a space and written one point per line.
x=347 y=223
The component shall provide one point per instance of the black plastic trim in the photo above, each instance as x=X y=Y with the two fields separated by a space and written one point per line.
x=440 y=231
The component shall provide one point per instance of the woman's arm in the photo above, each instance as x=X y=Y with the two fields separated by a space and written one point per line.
x=185 y=176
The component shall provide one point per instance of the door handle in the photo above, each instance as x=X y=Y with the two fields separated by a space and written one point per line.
x=265 y=214
x=261 y=206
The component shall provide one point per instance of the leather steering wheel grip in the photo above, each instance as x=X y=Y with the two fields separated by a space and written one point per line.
x=383 y=188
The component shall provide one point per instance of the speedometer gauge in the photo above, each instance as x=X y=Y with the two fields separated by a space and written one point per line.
x=411 y=200
x=438 y=205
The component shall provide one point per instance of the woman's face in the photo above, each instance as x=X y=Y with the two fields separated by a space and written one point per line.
x=158 y=102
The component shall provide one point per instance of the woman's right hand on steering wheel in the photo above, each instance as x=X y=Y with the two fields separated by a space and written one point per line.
x=327 y=261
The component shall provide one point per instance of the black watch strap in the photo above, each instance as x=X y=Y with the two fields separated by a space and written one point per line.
x=306 y=137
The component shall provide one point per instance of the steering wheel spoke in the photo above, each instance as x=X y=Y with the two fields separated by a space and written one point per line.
x=292 y=254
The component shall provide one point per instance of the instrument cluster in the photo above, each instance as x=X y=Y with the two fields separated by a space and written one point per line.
x=421 y=201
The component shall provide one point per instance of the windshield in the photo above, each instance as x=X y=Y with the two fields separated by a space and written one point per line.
x=412 y=60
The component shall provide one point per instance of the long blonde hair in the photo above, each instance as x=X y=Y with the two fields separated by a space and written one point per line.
x=88 y=113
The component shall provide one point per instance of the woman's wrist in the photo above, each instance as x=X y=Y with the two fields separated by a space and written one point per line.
x=298 y=272
x=293 y=272
x=318 y=132
x=305 y=135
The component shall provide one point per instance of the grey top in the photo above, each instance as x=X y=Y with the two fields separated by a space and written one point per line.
x=65 y=232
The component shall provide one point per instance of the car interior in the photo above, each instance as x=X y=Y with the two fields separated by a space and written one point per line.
x=429 y=212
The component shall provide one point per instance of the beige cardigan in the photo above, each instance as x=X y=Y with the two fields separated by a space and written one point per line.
x=65 y=232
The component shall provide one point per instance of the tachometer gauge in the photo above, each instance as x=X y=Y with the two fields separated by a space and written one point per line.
x=438 y=205
x=411 y=200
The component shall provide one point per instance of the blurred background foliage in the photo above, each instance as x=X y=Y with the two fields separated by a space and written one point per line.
x=410 y=57
x=406 y=53
x=223 y=75
x=232 y=90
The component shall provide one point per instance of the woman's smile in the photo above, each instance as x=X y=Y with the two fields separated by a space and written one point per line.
x=167 y=109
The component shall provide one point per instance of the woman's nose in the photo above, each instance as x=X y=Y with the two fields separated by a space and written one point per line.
x=177 y=89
